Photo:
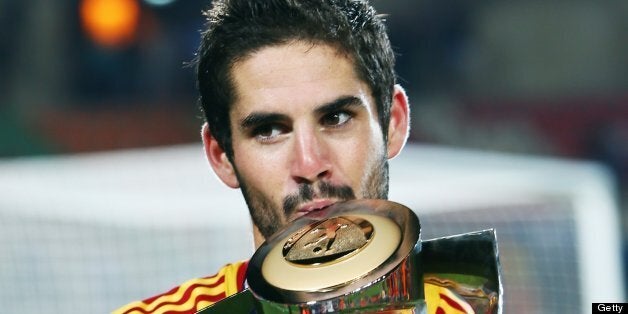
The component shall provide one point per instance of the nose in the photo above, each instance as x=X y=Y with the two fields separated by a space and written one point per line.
x=310 y=157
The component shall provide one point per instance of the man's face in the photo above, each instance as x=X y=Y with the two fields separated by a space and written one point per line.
x=305 y=133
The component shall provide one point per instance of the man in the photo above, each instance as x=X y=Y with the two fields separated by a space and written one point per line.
x=302 y=111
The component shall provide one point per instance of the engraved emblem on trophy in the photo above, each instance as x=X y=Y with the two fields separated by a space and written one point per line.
x=328 y=241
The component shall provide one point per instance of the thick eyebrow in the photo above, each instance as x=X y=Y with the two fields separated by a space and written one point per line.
x=261 y=118
x=340 y=103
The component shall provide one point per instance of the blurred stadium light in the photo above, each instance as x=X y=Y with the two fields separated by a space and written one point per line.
x=110 y=23
x=159 y=2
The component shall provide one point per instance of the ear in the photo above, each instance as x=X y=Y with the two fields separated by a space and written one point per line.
x=399 y=126
x=218 y=159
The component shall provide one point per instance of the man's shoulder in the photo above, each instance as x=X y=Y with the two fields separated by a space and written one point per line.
x=194 y=294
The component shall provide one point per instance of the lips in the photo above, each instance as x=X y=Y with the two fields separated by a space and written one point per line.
x=311 y=207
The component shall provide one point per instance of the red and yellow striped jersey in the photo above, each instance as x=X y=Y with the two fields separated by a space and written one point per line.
x=193 y=295
x=196 y=294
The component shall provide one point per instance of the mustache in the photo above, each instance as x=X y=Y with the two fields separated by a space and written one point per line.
x=323 y=189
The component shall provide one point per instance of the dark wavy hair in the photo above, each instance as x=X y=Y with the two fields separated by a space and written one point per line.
x=237 y=28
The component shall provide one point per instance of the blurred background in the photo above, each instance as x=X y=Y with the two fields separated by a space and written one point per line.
x=523 y=78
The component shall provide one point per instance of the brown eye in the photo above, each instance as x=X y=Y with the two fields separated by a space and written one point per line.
x=268 y=132
x=336 y=119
